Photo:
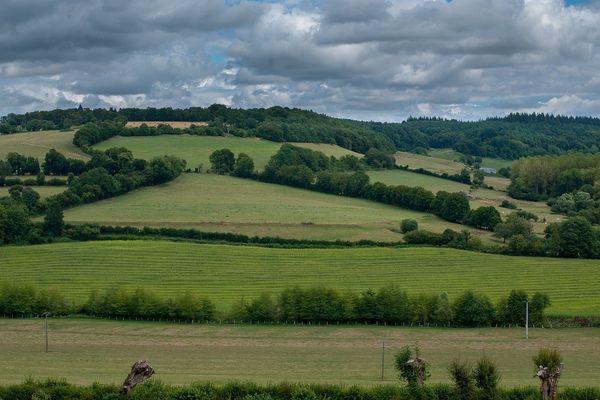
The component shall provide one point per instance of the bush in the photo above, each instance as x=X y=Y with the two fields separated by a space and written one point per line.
x=461 y=374
x=508 y=204
x=487 y=378
x=408 y=225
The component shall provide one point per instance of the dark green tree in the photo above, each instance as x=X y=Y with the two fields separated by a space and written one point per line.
x=54 y=219
x=222 y=161
x=244 y=166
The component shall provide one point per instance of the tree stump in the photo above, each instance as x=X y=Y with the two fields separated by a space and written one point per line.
x=549 y=380
x=140 y=371
x=418 y=365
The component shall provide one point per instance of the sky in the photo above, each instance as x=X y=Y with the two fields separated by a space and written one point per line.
x=379 y=60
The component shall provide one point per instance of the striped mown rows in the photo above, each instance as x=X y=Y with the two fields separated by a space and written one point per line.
x=226 y=273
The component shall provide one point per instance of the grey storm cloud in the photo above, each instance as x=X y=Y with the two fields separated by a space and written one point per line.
x=378 y=59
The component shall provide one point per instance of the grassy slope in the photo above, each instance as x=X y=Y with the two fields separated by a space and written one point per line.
x=227 y=273
x=44 y=191
x=453 y=155
x=435 y=164
x=197 y=149
x=101 y=351
x=37 y=144
x=222 y=203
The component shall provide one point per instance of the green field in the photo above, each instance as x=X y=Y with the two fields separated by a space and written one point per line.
x=407 y=178
x=44 y=191
x=197 y=149
x=226 y=273
x=37 y=144
x=430 y=163
x=453 y=155
x=222 y=203
x=84 y=351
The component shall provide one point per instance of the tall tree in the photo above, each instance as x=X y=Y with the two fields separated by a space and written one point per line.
x=54 y=219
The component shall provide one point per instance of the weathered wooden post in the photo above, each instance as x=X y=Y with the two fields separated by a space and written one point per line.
x=140 y=371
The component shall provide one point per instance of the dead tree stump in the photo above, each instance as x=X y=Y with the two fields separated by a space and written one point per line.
x=549 y=380
x=140 y=371
x=418 y=365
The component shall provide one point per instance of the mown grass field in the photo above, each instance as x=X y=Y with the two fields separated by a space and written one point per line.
x=197 y=149
x=44 y=191
x=37 y=144
x=222 y=203
x=85 y=351
x=430 y=163
x=453 y=155
x=227 y=273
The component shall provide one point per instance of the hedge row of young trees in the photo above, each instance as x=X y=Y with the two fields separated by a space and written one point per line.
x=388 y=305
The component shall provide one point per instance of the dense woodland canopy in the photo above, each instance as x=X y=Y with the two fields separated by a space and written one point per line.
x=511 y=137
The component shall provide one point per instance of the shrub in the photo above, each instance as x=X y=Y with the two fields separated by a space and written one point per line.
x=408 y=225
x=461 y=374
x=487 y=378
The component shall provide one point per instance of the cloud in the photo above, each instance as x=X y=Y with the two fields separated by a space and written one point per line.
x=383 y=59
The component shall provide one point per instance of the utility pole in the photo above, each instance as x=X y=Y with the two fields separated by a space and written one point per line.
x=526 y=319
x=46 y=315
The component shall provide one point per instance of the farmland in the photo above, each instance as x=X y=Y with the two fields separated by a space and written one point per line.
x=435 y=164
x=222 y=203
x=37 y=144
x=172 y=124
x=197 y=149
x=226 y=273
x=85 y=351
x=44 y=191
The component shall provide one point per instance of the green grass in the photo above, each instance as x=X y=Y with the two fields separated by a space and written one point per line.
x=453 y=155
x=226 y=273
x=37 y=144
x=197 y=149
x=44 y=191
x=222 y=203
x=430 y=163
x=407 y=178
x=84 y=352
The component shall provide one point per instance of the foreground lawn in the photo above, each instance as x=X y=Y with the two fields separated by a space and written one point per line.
x=197 y=149
x=87 y=351
x=222 y=203
x=37 y=144
x=226 y=273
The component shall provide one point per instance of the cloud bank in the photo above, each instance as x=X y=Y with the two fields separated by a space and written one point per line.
x=378 y=59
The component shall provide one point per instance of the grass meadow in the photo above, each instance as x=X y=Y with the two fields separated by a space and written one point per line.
x=44 y=191
x=226 y=273
x=197 y=149
x=37 y=144
x=88 y=351
x=222 y=203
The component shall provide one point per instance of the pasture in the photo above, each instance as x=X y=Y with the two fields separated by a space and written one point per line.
x=221 y=203
x=430 y=163
x=197 y=149
x=88 y=351
x=172 y=124
x=226 y=273
x=37 y=144
x=44 y=191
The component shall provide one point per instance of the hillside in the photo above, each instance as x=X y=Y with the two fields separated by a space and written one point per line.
x=222 y=203
x=197 y=149
x=37 y=144
x=226 y=273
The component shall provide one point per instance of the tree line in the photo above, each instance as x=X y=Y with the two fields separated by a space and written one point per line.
x=388 y=305
x=313 y=170
x=510 y=137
